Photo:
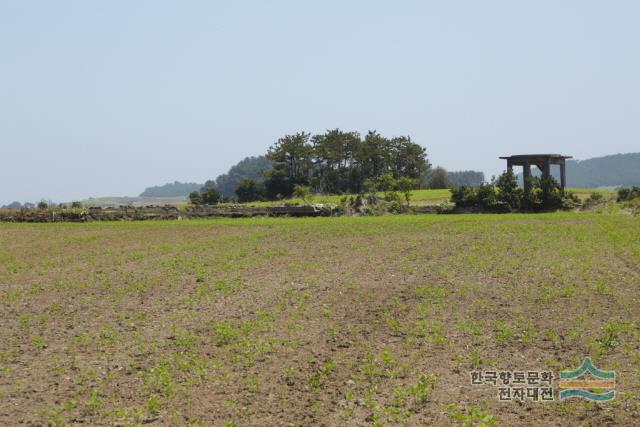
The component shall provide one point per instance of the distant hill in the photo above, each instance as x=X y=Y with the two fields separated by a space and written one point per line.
x=608 y=171
x=175 y=189
x=617 y=170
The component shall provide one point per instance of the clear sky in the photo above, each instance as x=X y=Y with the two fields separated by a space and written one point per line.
x=105 y=98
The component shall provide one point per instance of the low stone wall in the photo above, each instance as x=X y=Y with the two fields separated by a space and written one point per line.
x=128 y=213
x=239 y=211
x=431 y=209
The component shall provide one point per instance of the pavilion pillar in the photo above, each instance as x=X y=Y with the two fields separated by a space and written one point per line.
x=526 y=176
x=546 y=170
x=563 y=175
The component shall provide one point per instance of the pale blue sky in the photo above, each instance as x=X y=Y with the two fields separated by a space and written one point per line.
x=106 y=98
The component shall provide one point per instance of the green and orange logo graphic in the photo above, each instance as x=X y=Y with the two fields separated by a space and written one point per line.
x=596 y=386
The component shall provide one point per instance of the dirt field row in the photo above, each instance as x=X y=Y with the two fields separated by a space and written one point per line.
x=315 y=321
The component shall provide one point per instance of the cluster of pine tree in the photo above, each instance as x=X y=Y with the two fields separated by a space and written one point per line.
x=339 y=162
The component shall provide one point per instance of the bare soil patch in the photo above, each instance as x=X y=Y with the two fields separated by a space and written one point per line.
x=315 y=321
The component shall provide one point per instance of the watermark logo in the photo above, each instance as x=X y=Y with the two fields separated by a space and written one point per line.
x=595 y=385
x=587 y=382
x=536 y=386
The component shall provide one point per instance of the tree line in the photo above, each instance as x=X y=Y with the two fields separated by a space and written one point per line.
x=335 y=162
x=339 y=162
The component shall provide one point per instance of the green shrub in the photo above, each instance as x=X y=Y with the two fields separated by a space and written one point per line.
x=570 y=201
x=395 y=207
x=206 y=196
x=595 y=198
x=250 y=190
x=506 y=196
x=508 y=191
x=464 y=197
x=210 y=196
x=551 y=195
x=486 y=196
x=628 y=194
x=195 y=198
x=302 y=192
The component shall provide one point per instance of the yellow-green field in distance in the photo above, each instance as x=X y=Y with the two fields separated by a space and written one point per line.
x=418 y=197
x=334 y=321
